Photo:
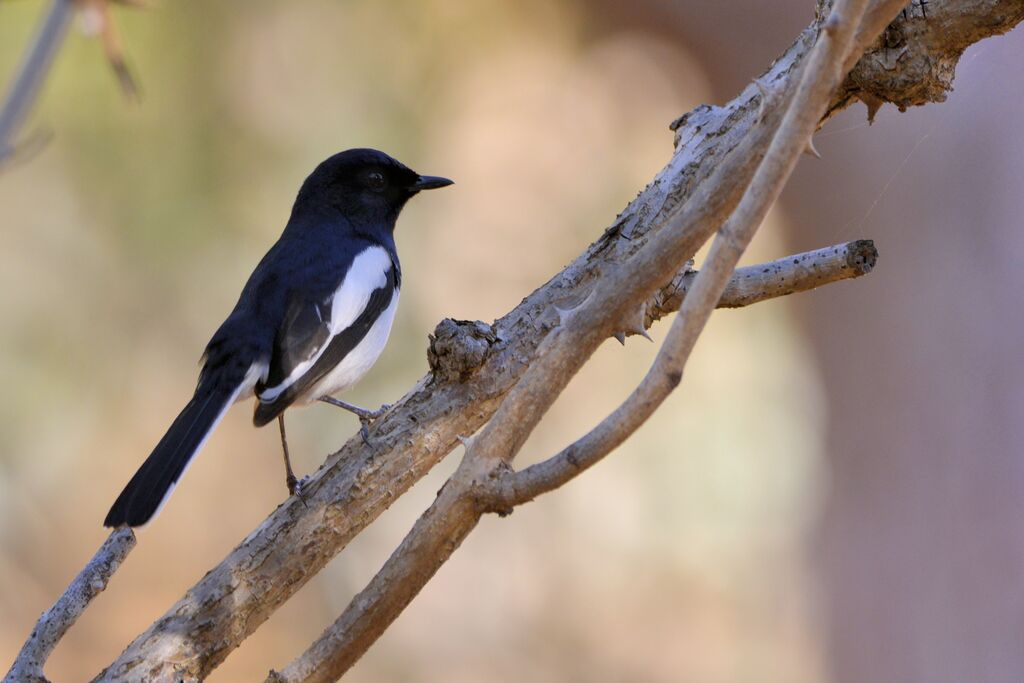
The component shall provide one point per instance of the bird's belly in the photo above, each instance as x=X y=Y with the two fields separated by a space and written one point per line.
x=359 y=360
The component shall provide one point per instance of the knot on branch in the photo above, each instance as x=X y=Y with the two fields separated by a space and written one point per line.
x=497 y=492
x=667 y=299
x=458 y=348
x=914 y=60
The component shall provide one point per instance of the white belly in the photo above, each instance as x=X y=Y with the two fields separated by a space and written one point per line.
x=359 y=360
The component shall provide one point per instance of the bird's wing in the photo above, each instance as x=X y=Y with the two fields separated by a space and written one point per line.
x=317 y=333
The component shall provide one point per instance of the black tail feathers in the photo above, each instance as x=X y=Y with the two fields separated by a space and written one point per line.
x=152 y=484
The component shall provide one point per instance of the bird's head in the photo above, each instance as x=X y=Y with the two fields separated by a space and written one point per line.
x=367 y=186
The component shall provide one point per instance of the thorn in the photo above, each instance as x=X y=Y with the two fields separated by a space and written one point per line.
x=811 y=149
x=564 y=314
x=621 y=336
x=872 y=103
x=636 y=325
x=763 y=90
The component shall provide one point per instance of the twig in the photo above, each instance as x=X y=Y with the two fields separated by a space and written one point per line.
x=820 y=78
x=458 y=507
x=33 y=71
x=366 y=617
x=357 y=484
x=788 y=275
x=55 y=622
x=477 y=366
x=752 y=284
x=441 y=529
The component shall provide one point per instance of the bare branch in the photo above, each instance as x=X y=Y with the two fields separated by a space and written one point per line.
x=914 y=59
x=358 y=483
x=441 y=529
x=56 y=621
x=458 y=507
x=821 y=78
x=432 y=540
x=33 y=71
x=365 y=617
x=788 y=275
x=473 y=367
x=752 y=284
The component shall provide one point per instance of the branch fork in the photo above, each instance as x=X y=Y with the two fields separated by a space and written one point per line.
x=497 y=381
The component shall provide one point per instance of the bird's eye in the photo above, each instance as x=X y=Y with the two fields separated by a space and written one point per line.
x=376 y=180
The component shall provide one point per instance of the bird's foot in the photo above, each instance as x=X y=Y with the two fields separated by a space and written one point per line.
x=297 y=487
x=366 y=417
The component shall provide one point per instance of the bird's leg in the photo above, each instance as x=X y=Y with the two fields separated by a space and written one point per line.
x=366 y=417
x=289 y=476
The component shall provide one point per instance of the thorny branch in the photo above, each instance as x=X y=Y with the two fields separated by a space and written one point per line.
x=468 y=381
x=746 y=286
x=607 y=308
x=477 y=369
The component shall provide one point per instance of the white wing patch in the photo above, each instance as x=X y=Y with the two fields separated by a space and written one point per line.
x=359 y=360
x=369 y=271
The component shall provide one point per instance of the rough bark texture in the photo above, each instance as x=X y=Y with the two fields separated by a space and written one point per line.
x=473 y=367
x=914 y=61
x=359 y=482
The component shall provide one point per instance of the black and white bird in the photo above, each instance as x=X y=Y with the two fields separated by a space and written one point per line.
x=310 y=322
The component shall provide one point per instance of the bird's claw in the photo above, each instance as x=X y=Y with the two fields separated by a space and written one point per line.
x=368 y=419
x=297 y=487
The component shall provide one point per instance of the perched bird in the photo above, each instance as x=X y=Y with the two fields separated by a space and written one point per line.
x=310 y=322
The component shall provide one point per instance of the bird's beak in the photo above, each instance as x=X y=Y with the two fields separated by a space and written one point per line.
x=430 y=182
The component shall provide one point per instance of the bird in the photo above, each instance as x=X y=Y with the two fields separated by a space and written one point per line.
x=311 y=320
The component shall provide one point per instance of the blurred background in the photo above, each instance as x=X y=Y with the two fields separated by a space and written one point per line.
x=836 y=493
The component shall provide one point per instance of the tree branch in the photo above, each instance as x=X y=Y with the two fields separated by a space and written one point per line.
x=473 y=368
x=459 y=505
x=56 y=621
x=366 y=617
x=797 y=273
x=914 y=61
x=29 y=80
x=821 y=77
x=578 y=332
x=788 y=275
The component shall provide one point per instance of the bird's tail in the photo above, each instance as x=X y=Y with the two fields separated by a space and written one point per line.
x=151 y=486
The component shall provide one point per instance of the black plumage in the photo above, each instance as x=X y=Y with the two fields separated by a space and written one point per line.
x=319 y=301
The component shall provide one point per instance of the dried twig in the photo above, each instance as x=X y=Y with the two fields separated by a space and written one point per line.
x=473 y=367
x=789 y=275
x=24 y=90
x=820 y=79
x=455 y=512
x=32 y=72
x=458 y=507
x=800 y=272
x=797 y=273
x=55 y=622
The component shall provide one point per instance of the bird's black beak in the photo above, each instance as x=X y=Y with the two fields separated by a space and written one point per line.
x=430 y=182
